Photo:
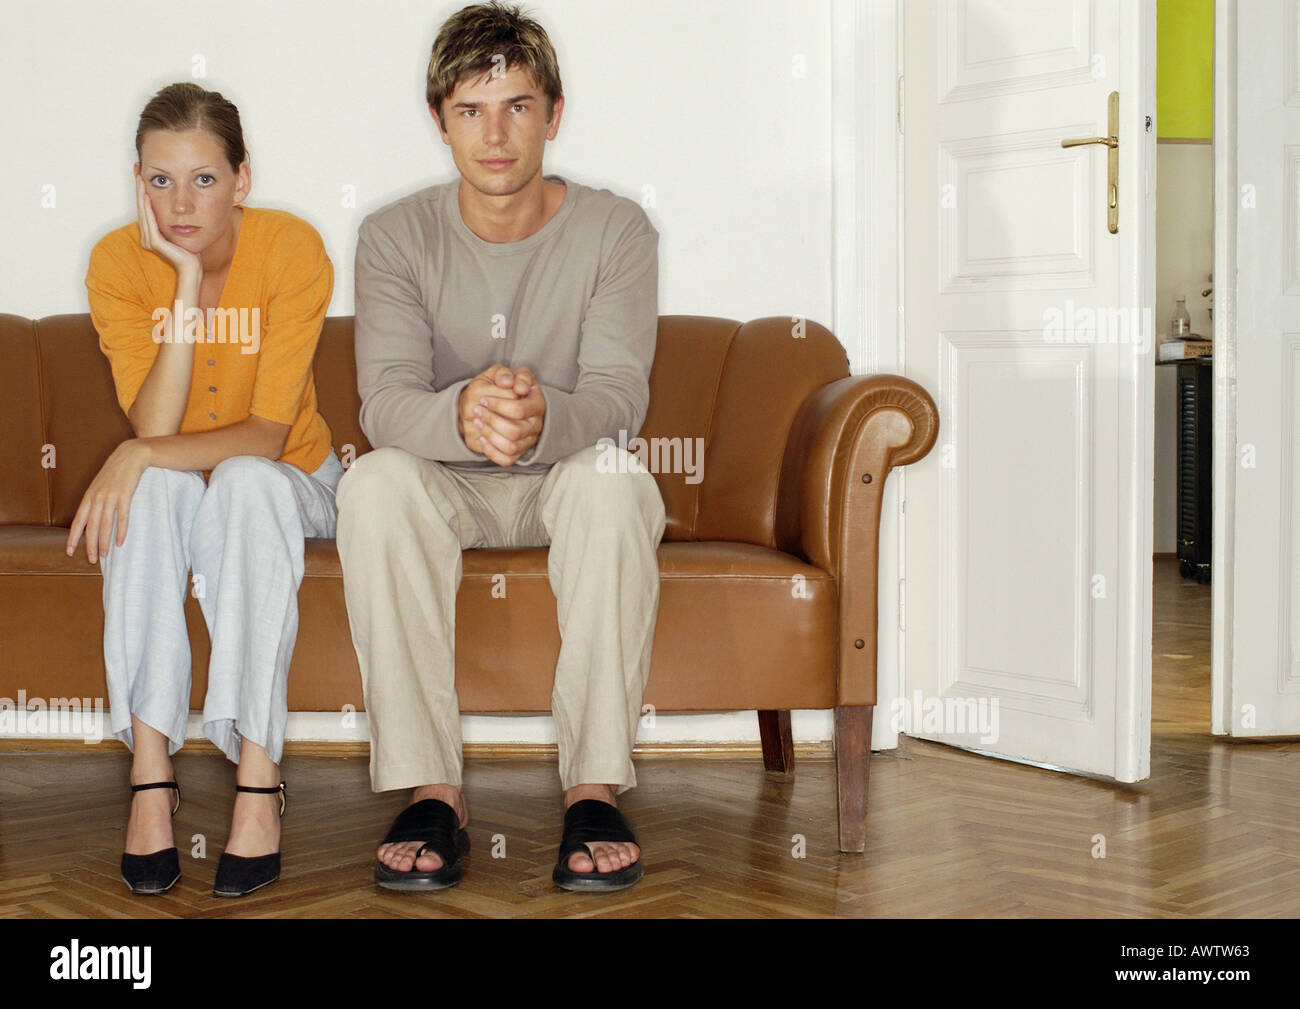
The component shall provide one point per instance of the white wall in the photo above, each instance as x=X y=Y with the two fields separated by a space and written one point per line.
x=699 y=101
x=696 y=100
x=1184 y=261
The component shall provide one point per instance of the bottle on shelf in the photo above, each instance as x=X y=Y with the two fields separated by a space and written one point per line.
x=1180 y=326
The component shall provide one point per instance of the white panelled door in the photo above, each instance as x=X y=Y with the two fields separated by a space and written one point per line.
x=1264 y=684
x=1027 y=607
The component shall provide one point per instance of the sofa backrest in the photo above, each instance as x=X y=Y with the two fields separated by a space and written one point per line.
x=24 y=484
x=70 y=418
x=720 y=387
x=737 y=388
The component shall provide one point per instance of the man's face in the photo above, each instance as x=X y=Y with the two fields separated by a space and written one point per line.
x=497 y=130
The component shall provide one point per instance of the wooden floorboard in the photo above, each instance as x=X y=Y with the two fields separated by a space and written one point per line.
x=1215 y=831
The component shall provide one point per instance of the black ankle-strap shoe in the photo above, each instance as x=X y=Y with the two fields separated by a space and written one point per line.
x=238 y=876
x=159 y=871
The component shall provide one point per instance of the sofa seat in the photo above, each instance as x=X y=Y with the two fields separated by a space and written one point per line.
x=724 y=608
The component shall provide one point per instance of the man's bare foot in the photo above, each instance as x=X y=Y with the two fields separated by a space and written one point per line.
x=610 y=855
x=400 y=855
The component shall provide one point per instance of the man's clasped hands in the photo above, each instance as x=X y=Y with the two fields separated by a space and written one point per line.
x=501 y=413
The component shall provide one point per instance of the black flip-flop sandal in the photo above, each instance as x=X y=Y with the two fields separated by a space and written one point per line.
x=436 y=824
x=592 y=820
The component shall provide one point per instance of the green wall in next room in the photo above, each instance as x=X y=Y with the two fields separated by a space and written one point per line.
x=1185 y=69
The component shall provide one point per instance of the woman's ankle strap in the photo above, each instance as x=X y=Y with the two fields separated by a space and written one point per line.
x=266 y=791
x=161 y=784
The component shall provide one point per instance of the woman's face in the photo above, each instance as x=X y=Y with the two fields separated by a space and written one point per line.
x=191 y=185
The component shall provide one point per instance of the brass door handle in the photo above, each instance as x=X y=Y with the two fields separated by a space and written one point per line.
x=1112 y=160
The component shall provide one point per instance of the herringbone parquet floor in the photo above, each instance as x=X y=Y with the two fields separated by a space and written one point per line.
x=1214 y=832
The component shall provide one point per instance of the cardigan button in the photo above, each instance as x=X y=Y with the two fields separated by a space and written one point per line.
x=212 y=388
x=859 y=643
x=214 y=417
x=211 y=362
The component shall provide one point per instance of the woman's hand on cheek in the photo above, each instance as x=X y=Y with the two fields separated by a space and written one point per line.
x=151 y=237
x=108 y=499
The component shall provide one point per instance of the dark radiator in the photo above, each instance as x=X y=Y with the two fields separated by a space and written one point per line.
x=1195 y=472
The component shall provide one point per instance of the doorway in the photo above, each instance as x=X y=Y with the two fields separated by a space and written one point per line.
x=1182 y=535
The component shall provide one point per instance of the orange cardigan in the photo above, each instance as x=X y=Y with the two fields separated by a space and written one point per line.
x=256 y=351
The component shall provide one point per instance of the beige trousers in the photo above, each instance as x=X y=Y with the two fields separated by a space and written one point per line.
x=403 y=522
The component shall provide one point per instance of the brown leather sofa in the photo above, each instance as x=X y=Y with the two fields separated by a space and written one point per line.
x=768 y=564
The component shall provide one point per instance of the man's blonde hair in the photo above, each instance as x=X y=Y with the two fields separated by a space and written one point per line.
x=483 y=38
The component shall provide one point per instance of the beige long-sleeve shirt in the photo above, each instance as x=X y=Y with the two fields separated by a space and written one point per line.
x=577 y=301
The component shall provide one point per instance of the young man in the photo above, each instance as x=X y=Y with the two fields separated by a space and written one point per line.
x=505 y=323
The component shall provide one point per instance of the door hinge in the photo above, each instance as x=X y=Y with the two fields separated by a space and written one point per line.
x=900 y=103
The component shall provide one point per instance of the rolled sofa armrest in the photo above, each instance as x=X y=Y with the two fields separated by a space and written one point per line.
x=845 y=439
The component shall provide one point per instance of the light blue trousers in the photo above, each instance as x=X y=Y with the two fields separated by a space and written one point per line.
x=242 y=534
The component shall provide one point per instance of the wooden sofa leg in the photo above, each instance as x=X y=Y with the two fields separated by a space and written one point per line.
x=778 y=743
x=852 y=764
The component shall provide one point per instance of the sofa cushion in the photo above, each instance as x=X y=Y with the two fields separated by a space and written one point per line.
x=24 y=472
x=769 y=372
x=82 y=418
x=335 y=371
x=739 y=627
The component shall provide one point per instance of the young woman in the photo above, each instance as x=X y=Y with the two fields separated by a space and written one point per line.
x=209 y=313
